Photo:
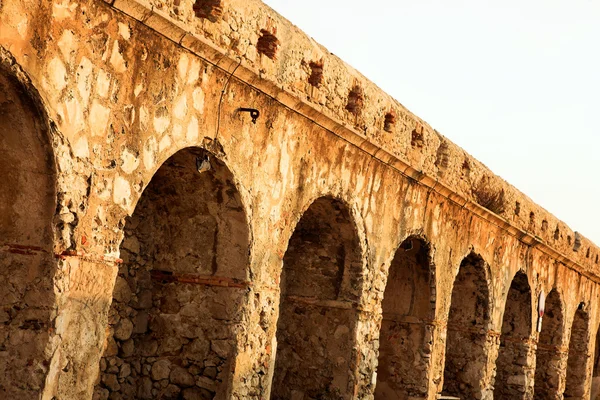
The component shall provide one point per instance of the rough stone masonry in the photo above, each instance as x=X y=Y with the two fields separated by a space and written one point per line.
x=200 y=202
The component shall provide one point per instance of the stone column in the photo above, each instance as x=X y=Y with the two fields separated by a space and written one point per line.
x=366 y=344
x=83 y=286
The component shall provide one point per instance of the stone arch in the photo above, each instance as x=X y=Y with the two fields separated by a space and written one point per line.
x=27 y=209
x=321 y=284
x=468 y=330
x=408 y=310
x=514 y=355
x=596 y=368
x=578 y=355
x=180 y=296
x=549 y=371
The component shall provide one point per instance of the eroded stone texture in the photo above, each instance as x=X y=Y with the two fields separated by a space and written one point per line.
x=595 y=390
x=513 y=366
x=27 y=264
x=202 y=306
x=550 y=356
x=405 y=334
x=578 y=356
x=468 y=338
x=180 y=293
x=320 y=287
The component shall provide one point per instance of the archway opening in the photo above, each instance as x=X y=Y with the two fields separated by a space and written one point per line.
x=577 y=359
x=595 y=395
x=179 y=298
x=320 y=288
x=549 y=370
x=27 y=263
x=514 y=359
x=405 y=335
x=468 y=326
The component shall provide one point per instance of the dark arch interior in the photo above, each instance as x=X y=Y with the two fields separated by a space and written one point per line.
x=577 y=361
x=320 y=287
x=549 y=357
x=405 y=335
x=181 y=289
x=596 y=369
x=468 y=323
x=512 y=363
x=27 y=207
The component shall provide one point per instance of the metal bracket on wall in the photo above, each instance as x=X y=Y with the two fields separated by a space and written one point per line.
x=254 y=113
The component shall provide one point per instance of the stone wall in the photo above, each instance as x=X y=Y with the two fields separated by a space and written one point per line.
x=515 y=356
x=469 y=337
x=405 y=336
x=320 y=286
x=180 y=293
x=551 y=355
x=295 y=253
x=577 y=364
x=27 y=206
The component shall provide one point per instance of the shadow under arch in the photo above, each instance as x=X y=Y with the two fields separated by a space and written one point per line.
x=181 y=292
x=408 y=310
x=575 y=387
x=596 y=367
x=27 y=209
x=468 y=335
x=550 y=356
x=321 y=285
x=514 y=355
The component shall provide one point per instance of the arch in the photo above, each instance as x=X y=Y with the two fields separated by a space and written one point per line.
x=596 y=369
x=320 y=288
x=549 y=370
x=514 y=354
x=27 y=263
x=408 y=311
x=578 y=354
x=180 y=296
x=468 y=327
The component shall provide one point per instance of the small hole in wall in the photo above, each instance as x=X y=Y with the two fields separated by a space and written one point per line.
x=417 y=139
x=208 y=9
x=268 y=44
x=531 y=221
x=544 y=226
x=389 y=121
x=316 y=73
x=556 y=233
x=466 y=167
x=517 y=208
x=569 y=240
x=356 y=100
x=596 y=258
x=587 y=254
x=577 y=244
x=442 y=158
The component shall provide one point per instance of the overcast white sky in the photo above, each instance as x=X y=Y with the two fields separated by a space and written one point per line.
x=516 y=83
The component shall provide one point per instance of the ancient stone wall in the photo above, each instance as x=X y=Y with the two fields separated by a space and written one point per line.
x=405 y=338
x=27 y=206
x=160 y=241
x=551 y=355
x=180 y=293
x=320 y=286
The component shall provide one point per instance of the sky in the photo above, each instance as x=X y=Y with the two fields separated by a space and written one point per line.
x=516 y=83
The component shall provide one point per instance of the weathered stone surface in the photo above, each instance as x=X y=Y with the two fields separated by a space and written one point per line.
x=181 y=377
x=338 y=247
x=161 y=369
x=123 y=329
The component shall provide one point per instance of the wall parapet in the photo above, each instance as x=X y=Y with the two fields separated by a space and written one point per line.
x=404 y=142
